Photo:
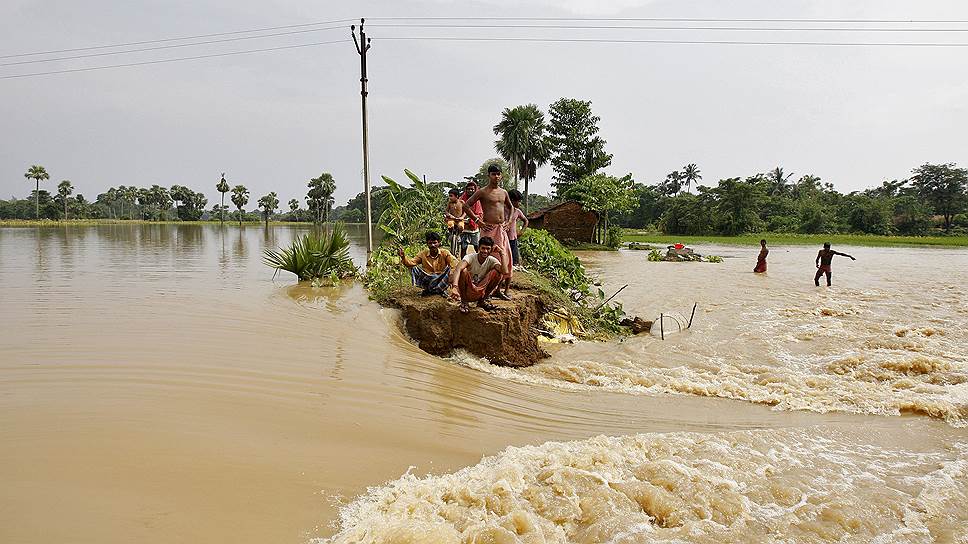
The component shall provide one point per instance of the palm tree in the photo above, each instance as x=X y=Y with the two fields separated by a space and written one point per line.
x=37 y=173
x=779 y=182
x=521 y=143
x=329 y=187
x=223 y=187
x=64 y=189
x=240 y=197
x=268 y=203
x=293 y=206
x=690 y=174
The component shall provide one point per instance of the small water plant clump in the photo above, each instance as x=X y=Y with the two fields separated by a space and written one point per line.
x=315 y=256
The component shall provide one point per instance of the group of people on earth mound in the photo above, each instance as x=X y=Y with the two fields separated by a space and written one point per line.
x=486 y=219
x=824 y=258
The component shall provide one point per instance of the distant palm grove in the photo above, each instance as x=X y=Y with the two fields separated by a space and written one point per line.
x=931 y=199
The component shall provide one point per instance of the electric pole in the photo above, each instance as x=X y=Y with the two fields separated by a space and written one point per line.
x=362 y=46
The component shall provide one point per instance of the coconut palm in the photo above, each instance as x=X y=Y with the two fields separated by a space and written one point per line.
x=690 y=173
x=521 y=143
x=223 y=187
x=64 y=190
x=293 y=206
x=268 y=203
x=320 y=196
x=240 y=197
x=37 y=173
x=779 y=181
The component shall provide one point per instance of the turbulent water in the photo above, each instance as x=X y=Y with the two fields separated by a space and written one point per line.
x=813 y=485
x=157 y=385
x=890 y=337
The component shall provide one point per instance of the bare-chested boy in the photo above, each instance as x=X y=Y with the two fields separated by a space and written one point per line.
x=496 y=207
x=454 y=214
x=824 y=257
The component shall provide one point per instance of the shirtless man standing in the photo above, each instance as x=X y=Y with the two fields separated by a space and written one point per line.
x=824 y=257
x=496 y=207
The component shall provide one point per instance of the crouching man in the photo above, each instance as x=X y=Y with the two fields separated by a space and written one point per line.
x=432 y=267
x=478 y=276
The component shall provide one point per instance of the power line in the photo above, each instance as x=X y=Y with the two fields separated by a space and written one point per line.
x=89 y=55
x=172 y=60
x=553 y=27
x=687 y=42
x=675 y=19
x=162 y=40
x=629 y=27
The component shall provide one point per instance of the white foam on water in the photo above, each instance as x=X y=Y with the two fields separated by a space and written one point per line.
x=802 y=485
x=860 y=351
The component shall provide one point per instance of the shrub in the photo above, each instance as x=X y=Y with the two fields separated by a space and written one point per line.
x=384 y=273
x=315 y=256
x=544 y=254
x=613 y=237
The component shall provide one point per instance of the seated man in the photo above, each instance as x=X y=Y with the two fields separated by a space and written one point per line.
x=435 y=266
x=478 y=275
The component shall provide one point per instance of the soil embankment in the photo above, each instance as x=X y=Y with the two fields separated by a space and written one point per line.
x=505 y=336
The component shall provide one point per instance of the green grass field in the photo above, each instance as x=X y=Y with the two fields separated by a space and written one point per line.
x=800 y=239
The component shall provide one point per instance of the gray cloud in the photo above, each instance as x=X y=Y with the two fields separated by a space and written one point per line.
x=854 y=116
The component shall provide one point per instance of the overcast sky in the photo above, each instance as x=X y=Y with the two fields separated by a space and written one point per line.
x=272 y=120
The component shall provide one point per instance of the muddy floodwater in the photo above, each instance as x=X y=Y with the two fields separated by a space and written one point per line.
x=157 y=385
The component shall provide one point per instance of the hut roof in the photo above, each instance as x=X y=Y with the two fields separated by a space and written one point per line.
x=540 y=213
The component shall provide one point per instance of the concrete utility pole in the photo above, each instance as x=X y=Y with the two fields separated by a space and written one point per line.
x=362 y=46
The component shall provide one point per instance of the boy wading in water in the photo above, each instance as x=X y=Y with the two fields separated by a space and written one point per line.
x=493 y=222
x=824 y=257
x=477 y=277
x=761 y=258
x=431 y=267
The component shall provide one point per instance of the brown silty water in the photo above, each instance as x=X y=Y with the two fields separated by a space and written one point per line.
x=157 y=385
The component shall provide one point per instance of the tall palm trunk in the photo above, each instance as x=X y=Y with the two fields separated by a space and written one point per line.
x=37 y=199
x=221 y=210
x=526 y=195
x=65 y=206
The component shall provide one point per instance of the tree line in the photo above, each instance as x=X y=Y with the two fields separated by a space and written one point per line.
x=934 y=197
x=157 y=203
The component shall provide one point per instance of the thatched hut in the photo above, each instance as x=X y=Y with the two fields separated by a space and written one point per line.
x=568 y=221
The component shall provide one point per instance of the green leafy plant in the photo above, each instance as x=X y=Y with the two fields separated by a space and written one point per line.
x=384 y=273
x=655 y=255
x=714 y=259
x=315 y=256
x=544 y=254
x=613 y=236
x=411 y=211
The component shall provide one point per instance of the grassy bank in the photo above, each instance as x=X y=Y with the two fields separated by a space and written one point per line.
x=800 y=239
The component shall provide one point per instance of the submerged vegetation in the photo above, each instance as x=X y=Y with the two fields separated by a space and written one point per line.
x=315 y=256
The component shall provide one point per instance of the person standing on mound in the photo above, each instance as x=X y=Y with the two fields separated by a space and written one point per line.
x=761 y=258
x=493 y=220
x=824 y=258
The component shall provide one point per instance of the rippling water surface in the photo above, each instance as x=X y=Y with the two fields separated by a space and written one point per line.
x=157 y=385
